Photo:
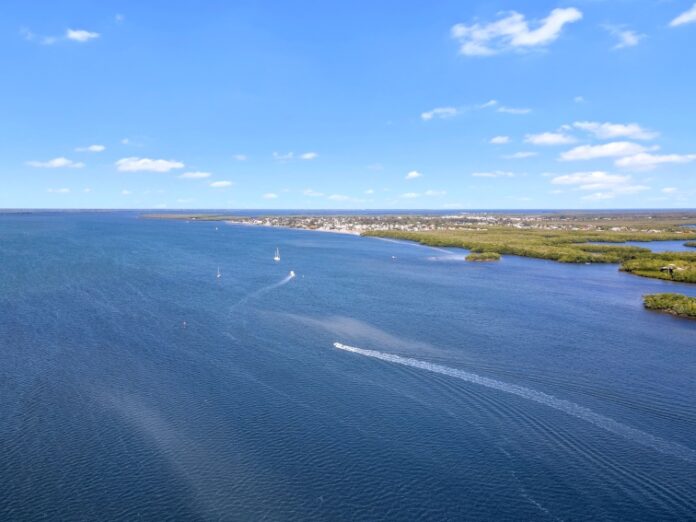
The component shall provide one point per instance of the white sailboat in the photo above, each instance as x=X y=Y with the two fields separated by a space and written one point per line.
x=276 y=257
x=219 y=274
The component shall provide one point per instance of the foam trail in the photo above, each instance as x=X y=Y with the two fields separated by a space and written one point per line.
x=266 y=289
x=575 y=410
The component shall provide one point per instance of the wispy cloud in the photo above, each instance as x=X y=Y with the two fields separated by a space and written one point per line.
x=195 y=175
x=240 y=157
x=75 y=35
x=221 y=184
x=494 y=174
x=626 y=37
x=134 y=164
x=602 y=185
x=440 y=112
x=512 y=32
x=59 y=190
x=414 y=174
x=514 y=110
x=80 y=35
x=288 y=156
x=687 y=17
x=428 y=193
x=614 y=149
x=549 y=138
x=270 y=195
x=91 y=148
x=521 y=155
x=56 y=163
x=608 y=130
x=499 y=140
x=312 y=193
x=645 y=160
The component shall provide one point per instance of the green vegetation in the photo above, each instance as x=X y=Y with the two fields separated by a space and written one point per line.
x=672 y=266
x=690 y=244
x=565 y=246
x=676 y=304
x=483 y=256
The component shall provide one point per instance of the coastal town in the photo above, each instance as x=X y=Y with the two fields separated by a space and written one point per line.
x=644 y=222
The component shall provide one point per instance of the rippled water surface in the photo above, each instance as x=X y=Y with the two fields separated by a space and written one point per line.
x=134 y=384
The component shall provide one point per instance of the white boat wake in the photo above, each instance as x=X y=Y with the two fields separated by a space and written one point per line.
x=266 y=289
x=575 y=410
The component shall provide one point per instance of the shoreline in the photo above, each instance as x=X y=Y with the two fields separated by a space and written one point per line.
x=330 y=231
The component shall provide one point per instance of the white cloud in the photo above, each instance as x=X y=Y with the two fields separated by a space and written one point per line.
x=125 y=192
x=606 y=150
x=493 y=174
x=56 y=163
x=80 y=35
x=339 y=197
x=440 y=112
x=410 y=195
x=513 y=110
x=309 y=156
x=414 y=174
x=59 y=190
x=579 y=99
x=626 y=37
x=195 y=175
x=240 y=157
x=125 y=141
x=549 y=138
x=369 y=192
x=435 y=193
x=607 y=130
x=521 y=155
x=500 y=140
x=312 y=193
x=602 y=184
x=645 y=160
x=119 y=18
x=221 y=184
x=596 y=180
x=512 y=32
x=687 y=17
x=270 y=195
x=134 y=164
x=669 y=190
x=91 y=148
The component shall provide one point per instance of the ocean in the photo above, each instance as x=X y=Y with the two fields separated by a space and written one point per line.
x=384 y=381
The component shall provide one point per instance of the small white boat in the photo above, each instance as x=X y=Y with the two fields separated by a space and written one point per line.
x=292 y=273
x=219 y=274
x=276 y=257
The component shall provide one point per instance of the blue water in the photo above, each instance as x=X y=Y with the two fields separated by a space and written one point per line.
x=135 y=385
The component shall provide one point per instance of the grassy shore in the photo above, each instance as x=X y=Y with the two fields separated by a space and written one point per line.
x=565 y=246
x=690 y=244
x=676 y=304
x=483 y=256
x=671 y=266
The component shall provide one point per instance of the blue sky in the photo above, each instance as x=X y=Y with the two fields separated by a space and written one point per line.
x=361 y=104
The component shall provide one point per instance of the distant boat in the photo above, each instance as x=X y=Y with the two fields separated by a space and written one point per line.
x=219 y=274
x=292 y=274
x=276 y=257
